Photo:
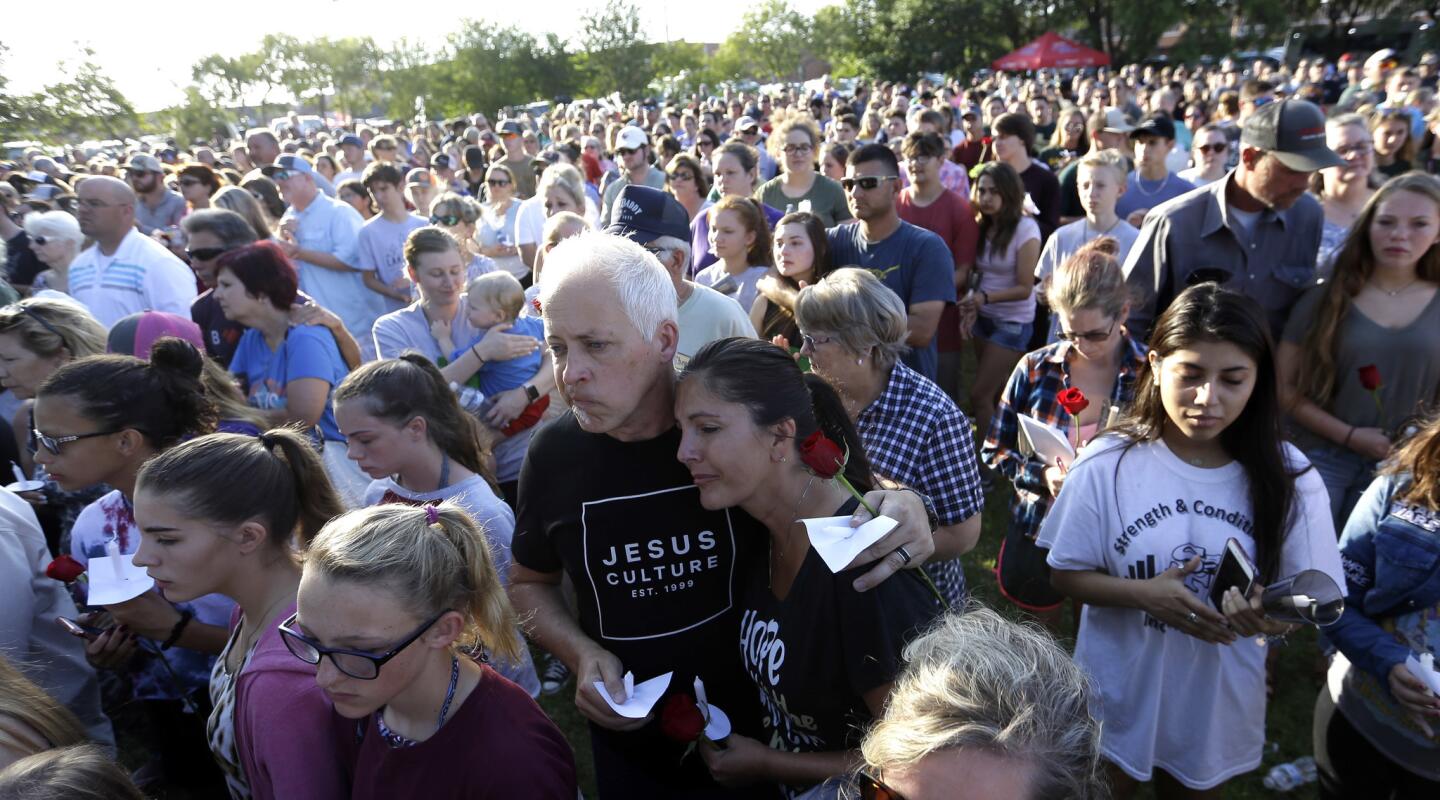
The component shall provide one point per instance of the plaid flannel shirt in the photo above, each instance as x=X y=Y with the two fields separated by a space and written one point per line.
x=915 y=435
x=1037 y=379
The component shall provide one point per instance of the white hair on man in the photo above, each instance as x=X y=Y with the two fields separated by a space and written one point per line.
x=647 y=295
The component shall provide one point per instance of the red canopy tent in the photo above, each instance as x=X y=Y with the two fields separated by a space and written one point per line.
x=1049 y=52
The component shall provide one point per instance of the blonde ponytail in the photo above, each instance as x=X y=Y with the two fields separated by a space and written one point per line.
x=432 y=558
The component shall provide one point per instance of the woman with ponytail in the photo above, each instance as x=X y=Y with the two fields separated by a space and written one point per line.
x=269 y=729
x=407 y=431
x=97 y=420
x=393 y=601
x=815 y=648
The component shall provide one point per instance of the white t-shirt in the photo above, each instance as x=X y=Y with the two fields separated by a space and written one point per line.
x=1167 y=699
x=707 y=315
x=142 y=275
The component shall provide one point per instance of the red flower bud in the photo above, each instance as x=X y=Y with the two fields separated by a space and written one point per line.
x=64 y=569
x=1072 y=400
x=1370 y=377
x=822 y=456
x=680 y=718
x=536 y=302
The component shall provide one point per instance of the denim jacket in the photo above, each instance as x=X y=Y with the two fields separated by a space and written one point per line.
x=1391 y=555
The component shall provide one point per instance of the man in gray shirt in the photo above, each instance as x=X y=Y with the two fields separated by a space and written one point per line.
x=1255 y=231
x=156 y=207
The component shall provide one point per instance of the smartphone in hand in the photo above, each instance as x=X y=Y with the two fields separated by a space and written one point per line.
x=88 y=632
x=1235 y=570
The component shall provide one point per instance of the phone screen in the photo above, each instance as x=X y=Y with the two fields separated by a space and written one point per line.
x=1235 y=570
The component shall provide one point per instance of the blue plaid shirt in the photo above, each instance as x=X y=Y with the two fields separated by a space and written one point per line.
x=1037 y=379
x=916 y=436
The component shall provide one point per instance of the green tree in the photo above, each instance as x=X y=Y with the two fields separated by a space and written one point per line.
x=772 y=39
x=85 y=103
x=615 y=55
x=194 y=119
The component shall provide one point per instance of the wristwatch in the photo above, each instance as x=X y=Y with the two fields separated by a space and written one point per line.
x=531 y=393
x=930 y=513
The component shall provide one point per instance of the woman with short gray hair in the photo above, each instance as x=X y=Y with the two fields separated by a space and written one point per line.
x=997 y=704
x=853 y=329
x=56 y=239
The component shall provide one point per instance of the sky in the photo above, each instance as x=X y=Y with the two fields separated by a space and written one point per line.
x=150 y=60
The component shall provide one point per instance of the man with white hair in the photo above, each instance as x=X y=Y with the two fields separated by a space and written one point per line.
x=604 y=499
x=656 y=221
x=125 y=271
x=322 y=236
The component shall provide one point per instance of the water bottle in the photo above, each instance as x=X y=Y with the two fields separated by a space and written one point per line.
x=471 y=399
x=1288 y=777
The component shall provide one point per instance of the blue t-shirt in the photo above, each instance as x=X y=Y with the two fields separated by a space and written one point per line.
x=913 y=262
x=500 y=376
x=309 y=351
x=1140 y=193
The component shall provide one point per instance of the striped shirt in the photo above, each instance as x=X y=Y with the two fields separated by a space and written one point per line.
x=141 y=275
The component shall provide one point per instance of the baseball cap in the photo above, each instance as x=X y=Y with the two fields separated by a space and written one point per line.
x=970 y=111
x=352 y=140
x=744 y=124
x=511 y=127
x=1381 y=56
x=1157 y=125
x=1115 y=121
x=419 y=175
x=1294 y=130
x=288 y=162
x=440 y=161
x=144 y=163
x=643 y=214
x=135 y=335
x=631 y=138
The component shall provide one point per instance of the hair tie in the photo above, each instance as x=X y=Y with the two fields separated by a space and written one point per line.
x=432 y=515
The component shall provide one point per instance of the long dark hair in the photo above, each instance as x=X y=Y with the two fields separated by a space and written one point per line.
x=767 y=382
x=819 y=244
x=1209 y=313
x=997 y=231
x=285 y=483
x=400 y=389
x=161 y=398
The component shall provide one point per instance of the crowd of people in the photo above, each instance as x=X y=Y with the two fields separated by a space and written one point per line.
x=406 y=426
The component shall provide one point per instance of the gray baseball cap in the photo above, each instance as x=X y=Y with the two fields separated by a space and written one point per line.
x=1294 y=130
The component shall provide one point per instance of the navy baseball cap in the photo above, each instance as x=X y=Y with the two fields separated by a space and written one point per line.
x=353 y=140
x=1157 y=125
x=643 y=214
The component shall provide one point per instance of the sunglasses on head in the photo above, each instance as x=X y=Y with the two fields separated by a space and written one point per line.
x=448 y=220
x=206 y=253
x=868 y=183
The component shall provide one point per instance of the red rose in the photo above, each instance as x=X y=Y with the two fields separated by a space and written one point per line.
x=65 y=569
x=1072 y=400
x=1370 y=377
x=536 y=303
x=680 y=718
x=822 y=456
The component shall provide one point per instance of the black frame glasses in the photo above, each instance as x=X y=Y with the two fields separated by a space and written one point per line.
x=1094 y=337
x=1212 y=148
x=872 y=788
x=867 y=182
x=52 y=444
x=312 y=652
x=207 y=253
x=448 y=220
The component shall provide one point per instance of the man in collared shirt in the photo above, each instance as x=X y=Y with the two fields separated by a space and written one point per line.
x=125 y=271
x=1255 y=231
x=156 y=207
x=322 y=236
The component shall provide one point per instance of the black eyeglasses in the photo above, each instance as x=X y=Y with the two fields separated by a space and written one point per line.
x=41 y=240
x=448 y=220
x=872 y=788
x=206 y=253
x=796 y=149
x=190 y=181
x=1213 y=148
x=1095 y=337
x=355 y=663
x=868 y=183
x=54 y=443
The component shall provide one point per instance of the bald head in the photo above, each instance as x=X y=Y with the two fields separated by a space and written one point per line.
x=106 y=209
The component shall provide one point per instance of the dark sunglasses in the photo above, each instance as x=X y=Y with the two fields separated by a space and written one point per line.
x=448 y=220
x=868 y=182
x=1213 y=148
x=54 y=443
x=206 y=253
x=681 y=176
x=625 y=151
x=40 y=240
x=190 y=181
x=872 y=788
x=493 y=182
x=383 y=147
x=281 y=175
x=355 y=663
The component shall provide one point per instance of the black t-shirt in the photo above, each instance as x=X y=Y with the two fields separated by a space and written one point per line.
x=1044 y=188
x=656 y=575
x=222 y=334
x=815 y=654
x=21 y=263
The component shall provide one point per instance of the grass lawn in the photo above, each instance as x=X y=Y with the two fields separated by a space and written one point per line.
x=1288 y=721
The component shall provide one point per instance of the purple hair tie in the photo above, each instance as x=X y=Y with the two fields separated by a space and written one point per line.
x=432 y=515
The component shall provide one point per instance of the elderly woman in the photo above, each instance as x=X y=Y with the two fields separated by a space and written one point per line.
x=56 y=239
x=37 y=337
x=997 y=706
x=853 y=329
x=796 y=144
x=288 y=371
